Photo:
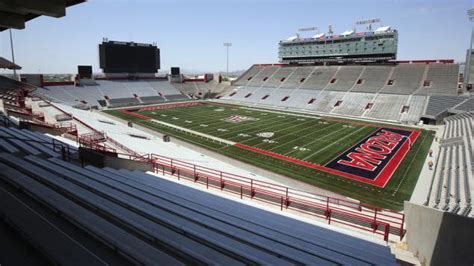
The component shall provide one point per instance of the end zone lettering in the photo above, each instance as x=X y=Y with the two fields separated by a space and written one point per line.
x=368 y=158
x=370 y=154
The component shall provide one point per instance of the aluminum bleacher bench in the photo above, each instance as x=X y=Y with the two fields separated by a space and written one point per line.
x=46 y=148
x=304 y=253
x=123 y=196
x=123 y=242
x=52 y=240
x=154 y=222
x=22 y=145
x=6 y=146
x=301 y=231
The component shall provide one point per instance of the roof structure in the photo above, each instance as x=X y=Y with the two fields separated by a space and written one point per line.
x=14 y=13
x=4 y=63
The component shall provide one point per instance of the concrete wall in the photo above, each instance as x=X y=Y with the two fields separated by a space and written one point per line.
x=439 y=238
x=32 y=127
x=111 y=160
x=119 y=163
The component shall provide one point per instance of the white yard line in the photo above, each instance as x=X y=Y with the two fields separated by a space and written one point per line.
x=256 y=128
x=276 y=131
x=194 y=132
x=316 y=140
x=280 y=112
x=325 y=148
x=311 y=133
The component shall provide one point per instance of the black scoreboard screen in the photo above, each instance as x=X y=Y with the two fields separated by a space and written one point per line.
x=84 y=72
x=175 y=71
x=128 y=57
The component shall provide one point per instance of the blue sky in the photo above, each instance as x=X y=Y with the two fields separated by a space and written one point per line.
x=190 y=33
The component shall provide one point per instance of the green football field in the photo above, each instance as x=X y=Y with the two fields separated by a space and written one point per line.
x=308 y=138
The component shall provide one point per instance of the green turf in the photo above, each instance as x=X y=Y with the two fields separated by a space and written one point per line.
x=308 y=138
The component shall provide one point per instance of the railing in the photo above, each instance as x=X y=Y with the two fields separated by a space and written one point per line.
x=95 y=140
x=66 y=127
x=126 y=149
x=38 y=119
x=332 y=209
x=38 y=115
x=93 y=137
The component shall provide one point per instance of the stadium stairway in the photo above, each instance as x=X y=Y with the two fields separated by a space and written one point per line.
x=452 y=183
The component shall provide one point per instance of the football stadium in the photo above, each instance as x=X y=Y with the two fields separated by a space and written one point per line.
x=336 y=153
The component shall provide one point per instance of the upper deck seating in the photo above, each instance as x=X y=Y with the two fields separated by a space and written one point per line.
x=345 y=78
x=279 y=77
x=247 y=76
x=443 y=80
x=319 y=78
x=262 y=76
x=373 y=79
x=298 y=77
x=405 y=79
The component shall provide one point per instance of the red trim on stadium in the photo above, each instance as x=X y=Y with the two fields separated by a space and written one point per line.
x=56 y=83
x=380 y=181
x=168 y=106
x=430 y=61
x=135 y=114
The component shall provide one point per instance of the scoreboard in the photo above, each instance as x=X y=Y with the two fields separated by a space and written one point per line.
x=128 y=57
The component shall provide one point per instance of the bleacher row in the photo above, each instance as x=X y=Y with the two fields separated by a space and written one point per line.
x=452 y=185
x=353 y=104
x=466 y=105
x=148 y=220
x=114 y=93
x=200 y=89
x=420 y=79
x=438 y=105
x=397 y=93
x=18 y=141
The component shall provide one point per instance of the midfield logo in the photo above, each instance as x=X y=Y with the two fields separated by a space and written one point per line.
x=239 y=119
x=265 y=134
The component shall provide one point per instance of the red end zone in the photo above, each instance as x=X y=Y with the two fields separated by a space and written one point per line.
x=380 y=180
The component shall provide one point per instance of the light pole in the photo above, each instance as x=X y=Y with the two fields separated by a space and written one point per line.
x=470 y=14
x=227 y=45
x=13 y=54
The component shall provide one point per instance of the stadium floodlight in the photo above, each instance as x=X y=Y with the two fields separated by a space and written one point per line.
x=227 y=45
x=368 y=21
x=316 y=29
x=467 y=70
x=470 y=13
